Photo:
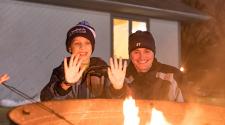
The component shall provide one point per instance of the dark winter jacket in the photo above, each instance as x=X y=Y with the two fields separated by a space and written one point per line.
x=93 y=84
x=159 y=83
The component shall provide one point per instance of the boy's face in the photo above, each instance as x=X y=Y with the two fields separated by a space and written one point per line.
x=81 y=46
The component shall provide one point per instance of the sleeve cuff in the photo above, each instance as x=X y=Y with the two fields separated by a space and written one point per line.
x=60 y=90
x=118 y=93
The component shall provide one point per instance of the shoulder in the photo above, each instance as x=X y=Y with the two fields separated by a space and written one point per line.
x=59 y=68
x=168 y=69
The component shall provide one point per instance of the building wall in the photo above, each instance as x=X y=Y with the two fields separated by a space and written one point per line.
x=167 y=38
x=32 y=41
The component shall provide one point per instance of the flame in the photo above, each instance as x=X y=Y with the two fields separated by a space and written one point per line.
x=130 y=112
x=157 y=118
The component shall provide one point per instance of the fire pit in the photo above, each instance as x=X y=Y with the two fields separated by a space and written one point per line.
x=110 y=112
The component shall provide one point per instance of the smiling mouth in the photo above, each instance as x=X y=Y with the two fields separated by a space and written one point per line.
x=83 y=54
x=142 y=62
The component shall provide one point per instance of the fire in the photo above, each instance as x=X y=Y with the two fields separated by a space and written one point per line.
x=131 y=117
x=157 y=118
x=130 y=112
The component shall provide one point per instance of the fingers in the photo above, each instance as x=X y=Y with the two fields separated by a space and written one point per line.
x=124 y=66
x=115 y=63
x=74 y=64
x=76 y=61
x=81 y=71
x=65 y=64
x=111 y=78
x=78 y=64
x=120 y=63
x=109 y=72
x=111 y=64
x=4 y=78
x=71 y=60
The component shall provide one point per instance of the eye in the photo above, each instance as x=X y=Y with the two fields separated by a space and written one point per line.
x=147 y=51
x=76 y=43
x=87 y=42
x=136 y=52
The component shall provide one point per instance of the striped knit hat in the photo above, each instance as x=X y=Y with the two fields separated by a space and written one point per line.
x=81 y=29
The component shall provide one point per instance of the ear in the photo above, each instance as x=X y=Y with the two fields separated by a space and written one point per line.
x=70 y=50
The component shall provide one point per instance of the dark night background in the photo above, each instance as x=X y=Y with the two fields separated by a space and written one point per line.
x=203 y=49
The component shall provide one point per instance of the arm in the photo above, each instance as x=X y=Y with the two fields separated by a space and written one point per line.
x=53 y=89
x=118 y=93
x=174 y=93
x=62 y=80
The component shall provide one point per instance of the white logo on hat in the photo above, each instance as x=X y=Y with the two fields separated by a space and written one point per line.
x=78 y=30
x=92 y=31
x=138 y=44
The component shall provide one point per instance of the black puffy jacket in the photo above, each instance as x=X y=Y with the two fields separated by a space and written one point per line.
x=93 y=84
x=161 y=82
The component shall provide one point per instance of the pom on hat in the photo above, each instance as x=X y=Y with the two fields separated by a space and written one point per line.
x=141 y=39
x=81 y=29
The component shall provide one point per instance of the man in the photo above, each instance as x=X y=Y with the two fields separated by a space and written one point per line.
x=146 y=78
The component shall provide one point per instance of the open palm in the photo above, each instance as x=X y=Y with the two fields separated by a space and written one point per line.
x=73 y=70
x=117 y=72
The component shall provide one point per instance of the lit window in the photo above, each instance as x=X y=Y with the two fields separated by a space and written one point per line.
x=136 y=25
x=120 y=38
x=121 y=30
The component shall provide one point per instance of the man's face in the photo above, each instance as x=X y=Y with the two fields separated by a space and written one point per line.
x=142 y=59
x=81 y=46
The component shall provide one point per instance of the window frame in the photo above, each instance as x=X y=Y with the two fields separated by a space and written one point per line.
x=129 y=18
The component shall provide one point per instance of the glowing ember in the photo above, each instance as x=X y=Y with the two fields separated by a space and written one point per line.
x=182 y=69
x=130 y=112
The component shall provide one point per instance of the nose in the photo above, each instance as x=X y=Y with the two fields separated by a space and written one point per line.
x=81 y=46
x=141 y=56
